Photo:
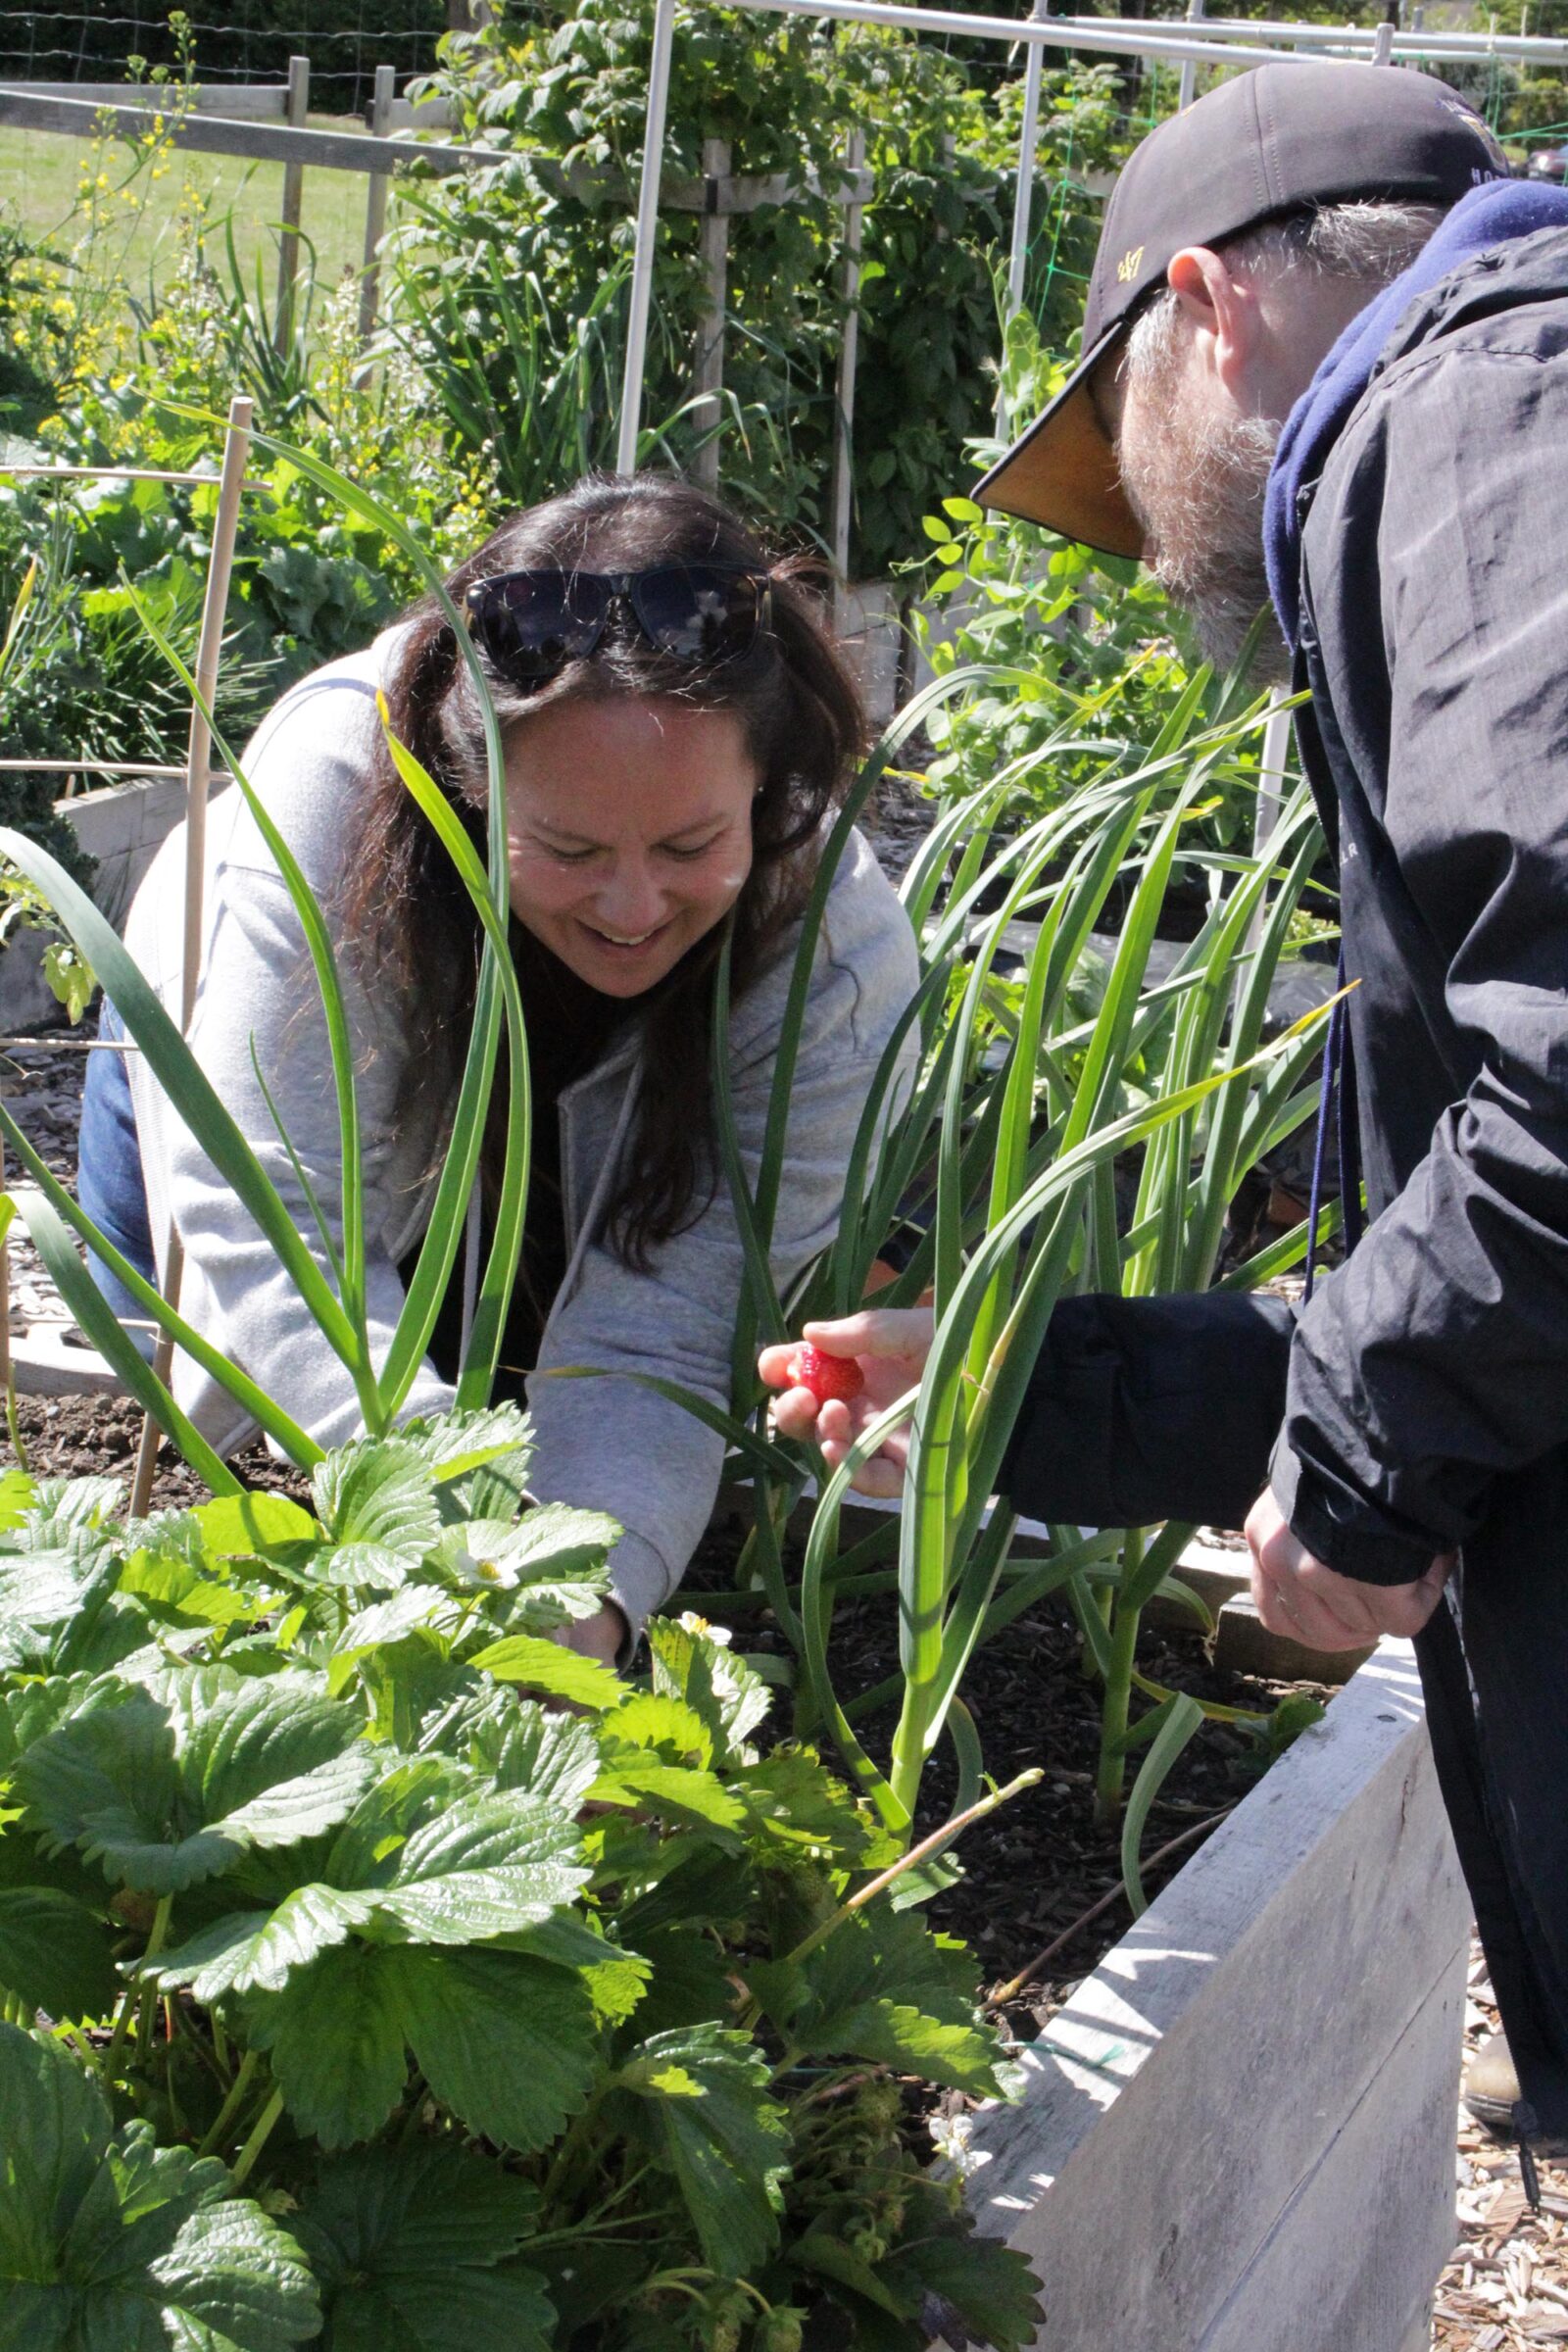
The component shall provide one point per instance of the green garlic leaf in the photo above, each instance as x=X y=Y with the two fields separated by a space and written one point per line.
x=107 y=2240
x=413 y=2249
x=377 y=1506
x=705 y=2105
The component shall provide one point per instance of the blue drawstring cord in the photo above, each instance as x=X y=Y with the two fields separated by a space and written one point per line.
x=1339 y=1084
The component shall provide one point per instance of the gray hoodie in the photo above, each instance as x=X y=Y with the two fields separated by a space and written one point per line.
x=606 y=1445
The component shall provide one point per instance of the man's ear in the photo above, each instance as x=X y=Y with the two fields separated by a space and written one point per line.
x=1224 y=314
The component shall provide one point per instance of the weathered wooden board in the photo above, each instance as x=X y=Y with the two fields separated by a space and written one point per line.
x=1290 y=1995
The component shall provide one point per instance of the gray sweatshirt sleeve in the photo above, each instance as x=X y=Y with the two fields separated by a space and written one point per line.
x=612 y=1446
x=259 y=1016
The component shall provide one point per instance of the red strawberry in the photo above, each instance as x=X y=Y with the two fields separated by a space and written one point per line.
x=827 y=1374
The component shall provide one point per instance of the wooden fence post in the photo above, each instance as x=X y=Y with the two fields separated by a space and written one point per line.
x=708 y=375
x=295 y=108
x=378 y=187
x=843 y=502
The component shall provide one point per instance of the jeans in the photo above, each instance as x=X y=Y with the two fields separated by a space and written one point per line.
x=109 y=1178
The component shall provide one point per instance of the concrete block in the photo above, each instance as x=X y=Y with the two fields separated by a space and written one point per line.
x=1282 y=2024
x=52 y=1359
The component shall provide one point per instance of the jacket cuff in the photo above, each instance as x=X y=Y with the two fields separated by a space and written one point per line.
x=640 y=1583
x=1334 y=1526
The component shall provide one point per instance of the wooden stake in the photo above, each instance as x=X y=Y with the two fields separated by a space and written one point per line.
x=214 y=610
x=376 y=200
x=295 y=108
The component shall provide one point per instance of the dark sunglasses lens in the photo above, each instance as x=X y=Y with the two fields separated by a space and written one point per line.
x=698 y=611
x=531 y=623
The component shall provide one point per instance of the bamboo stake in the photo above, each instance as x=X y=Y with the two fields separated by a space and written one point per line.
x=214 y=610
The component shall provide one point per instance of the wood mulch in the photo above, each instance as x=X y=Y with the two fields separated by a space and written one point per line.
x=1507 y=2288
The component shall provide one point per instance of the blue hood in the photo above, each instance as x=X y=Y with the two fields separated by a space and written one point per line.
x=1487 y=217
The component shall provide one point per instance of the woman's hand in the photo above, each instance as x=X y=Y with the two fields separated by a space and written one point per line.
x=890 y=1344
x=602 y=1636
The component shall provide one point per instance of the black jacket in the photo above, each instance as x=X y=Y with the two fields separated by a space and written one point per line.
x=1428 y=1392
x=1426 y=1386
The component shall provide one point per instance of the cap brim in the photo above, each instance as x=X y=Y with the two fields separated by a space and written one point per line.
x=1062 y=471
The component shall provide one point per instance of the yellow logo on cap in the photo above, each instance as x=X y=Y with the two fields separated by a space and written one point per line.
x=1127 y=267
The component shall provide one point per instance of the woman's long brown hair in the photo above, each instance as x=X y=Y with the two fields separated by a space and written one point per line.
x=406 y=916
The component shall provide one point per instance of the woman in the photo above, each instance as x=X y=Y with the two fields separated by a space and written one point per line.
x=678 y=729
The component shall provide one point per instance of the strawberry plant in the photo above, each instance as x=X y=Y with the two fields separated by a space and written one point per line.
x=353 y=1990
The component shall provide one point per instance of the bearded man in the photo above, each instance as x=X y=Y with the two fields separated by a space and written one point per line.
x=1326 y=355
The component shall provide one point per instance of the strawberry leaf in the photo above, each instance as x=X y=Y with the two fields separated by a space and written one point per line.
x=705 y=2106
x=376 y=1503
x=413 y=2248
x=109 y=2240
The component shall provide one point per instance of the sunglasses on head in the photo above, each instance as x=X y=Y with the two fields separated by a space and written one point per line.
x=530 y=624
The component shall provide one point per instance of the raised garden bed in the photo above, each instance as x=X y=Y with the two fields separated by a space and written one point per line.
x=1279 y=2029
x=121 y=826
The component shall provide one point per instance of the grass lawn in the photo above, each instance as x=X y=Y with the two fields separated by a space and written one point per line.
x=39 y=174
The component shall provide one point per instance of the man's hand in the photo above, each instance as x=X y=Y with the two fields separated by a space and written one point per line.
x=1297 y=1595
x=890 y=1344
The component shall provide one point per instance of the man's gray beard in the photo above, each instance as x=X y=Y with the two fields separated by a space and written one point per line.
x=1199 y=495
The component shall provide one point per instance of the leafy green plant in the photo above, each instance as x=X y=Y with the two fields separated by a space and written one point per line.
x=345 y=1979
x=998 y=1173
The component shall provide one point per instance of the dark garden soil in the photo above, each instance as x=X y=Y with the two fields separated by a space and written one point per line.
x=1036 y=1870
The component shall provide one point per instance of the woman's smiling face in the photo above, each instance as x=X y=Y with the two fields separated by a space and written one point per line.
x=629 y=831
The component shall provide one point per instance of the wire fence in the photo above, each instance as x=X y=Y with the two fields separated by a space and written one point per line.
x=344 y=39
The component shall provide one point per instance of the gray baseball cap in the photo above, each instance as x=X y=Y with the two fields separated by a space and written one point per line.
x=1278 y=140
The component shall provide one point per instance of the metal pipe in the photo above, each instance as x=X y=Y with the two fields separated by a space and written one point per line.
x=842 y=507
x=642 y=274
x=1028 y=145
x=1412 y=42
x=1054 y=32
x=1023 y=196
x=1188 y=89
